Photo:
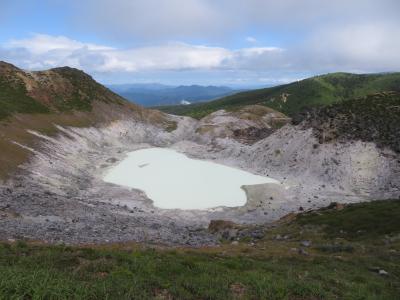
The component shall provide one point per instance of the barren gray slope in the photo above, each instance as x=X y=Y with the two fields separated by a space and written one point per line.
x=59 y=195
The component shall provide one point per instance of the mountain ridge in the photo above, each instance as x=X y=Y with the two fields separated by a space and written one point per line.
x=60 y=89
x=373 y=118
x=291 y=98
x=43 y=100
x=157 y=94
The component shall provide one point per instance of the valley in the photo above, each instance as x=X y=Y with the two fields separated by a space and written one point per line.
x=62 y=197
x=54 y=191
x=199 y=150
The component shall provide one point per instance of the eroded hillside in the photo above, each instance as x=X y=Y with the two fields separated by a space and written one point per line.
x=57 y=193
x=63 y=96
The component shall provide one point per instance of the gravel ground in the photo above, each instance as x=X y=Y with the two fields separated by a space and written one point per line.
x=59 y=195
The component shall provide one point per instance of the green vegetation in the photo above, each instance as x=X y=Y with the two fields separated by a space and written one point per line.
x=358 y=221
x=74 y=102
x=58 y=90
x=81 y=92
x=374 y=118
x=13 y=99
x=294 y=97
x=332 y=267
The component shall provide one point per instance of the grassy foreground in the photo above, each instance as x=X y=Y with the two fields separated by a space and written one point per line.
x=329 y=254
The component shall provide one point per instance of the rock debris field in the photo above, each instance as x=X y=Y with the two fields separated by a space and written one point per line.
x=59 y=196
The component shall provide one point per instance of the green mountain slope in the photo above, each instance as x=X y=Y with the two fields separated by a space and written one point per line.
x=62 y=96
x=13 y=94
x=294 y=97
x=373 y=118
x=52 y=91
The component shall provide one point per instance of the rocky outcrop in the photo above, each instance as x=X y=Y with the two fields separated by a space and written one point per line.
x=374 y=118
x=229 y=231
x=246 y=125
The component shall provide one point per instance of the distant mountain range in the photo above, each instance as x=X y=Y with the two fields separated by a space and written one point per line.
x=294 y=97
x=155 y=94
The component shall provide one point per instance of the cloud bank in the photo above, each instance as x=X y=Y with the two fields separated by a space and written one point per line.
x=45 y=51
x=174 y=19
x=279 y=40
x=367 y=48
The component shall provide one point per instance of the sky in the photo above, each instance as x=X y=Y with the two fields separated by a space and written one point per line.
x=210 y=42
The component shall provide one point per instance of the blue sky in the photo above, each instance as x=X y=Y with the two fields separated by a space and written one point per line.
x=222 y=42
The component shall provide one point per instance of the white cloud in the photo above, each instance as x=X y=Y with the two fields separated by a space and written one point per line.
x=367 y=47
x=173 y=56
x=150 y=19
x=251 y=39
x=248 y=52
x=42 y=43
x=318 y=36
x=177 y=19
x=45 y=51
x=322 y=35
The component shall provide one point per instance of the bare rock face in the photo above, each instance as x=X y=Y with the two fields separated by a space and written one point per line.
x=247 y=125
x=251 y=135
